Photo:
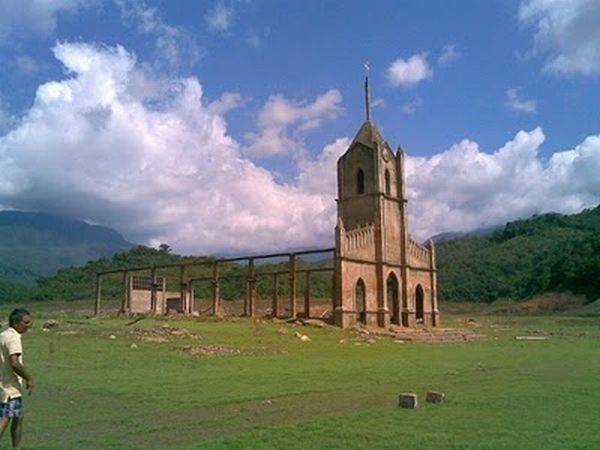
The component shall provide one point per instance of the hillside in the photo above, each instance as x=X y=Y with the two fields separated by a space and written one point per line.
x=78 y=282
x=550 y=252
x=34 y=245
x=526 y=257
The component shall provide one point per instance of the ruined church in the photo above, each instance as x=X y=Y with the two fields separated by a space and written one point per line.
x=382 y=276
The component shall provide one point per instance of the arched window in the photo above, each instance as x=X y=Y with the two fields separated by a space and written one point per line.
x=388 y=189
x=360 y=182
x=360 y=300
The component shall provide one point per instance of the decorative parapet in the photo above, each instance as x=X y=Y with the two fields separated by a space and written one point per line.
x=360 y=237
x=418 y=252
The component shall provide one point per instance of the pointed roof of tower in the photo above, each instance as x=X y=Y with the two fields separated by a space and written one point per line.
x=368 y=135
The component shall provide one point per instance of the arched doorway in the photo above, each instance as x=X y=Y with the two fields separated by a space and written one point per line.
x=419 y=296
x=360 y=300
x=392 y=298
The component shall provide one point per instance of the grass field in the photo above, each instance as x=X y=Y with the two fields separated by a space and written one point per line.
x=270 y=390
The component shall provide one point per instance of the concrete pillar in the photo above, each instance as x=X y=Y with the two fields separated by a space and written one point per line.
x=125 y=294
x=153 y=287
x=183 y=289
x=162 y=306
x=216 y=306
x=98 y=294
x=249 y=307
x=307 y=295
x=129 y=289
x=190 y=294
x=293 y=311
x=275 y=304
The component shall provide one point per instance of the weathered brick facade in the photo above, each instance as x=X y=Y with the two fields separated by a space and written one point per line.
x=382 y=275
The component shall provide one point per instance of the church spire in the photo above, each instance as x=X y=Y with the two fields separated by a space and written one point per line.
x=367 y=93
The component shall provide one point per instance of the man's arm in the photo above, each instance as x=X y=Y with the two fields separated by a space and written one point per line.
x=20 y=370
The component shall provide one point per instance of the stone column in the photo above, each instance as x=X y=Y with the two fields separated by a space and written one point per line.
x=382 y=318
x=98 y=294
x=129 y=289
x=293 y=311
x=340 y=315
x=435 y=313
x=191 y=301
x=333 y=285
x=275 y=304
x=404 y=316
x=250 y=289
x=307 y=295
x=216 y=307
x=153 y=286
x=160 y=307
x=123 y=308
x=183 y=289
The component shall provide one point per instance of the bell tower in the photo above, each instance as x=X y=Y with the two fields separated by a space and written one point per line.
x=373 y=249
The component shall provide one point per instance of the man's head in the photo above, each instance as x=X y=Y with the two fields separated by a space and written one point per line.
x=20 y=320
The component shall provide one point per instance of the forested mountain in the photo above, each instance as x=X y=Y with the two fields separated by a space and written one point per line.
x=34 y=245
x=550 y=252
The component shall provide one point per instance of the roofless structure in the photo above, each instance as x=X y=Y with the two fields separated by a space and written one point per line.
x=380 y=276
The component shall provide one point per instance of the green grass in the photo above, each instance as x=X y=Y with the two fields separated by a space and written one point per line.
x=278 y=392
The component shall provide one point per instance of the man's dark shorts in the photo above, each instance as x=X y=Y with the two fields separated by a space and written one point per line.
x=12 y=408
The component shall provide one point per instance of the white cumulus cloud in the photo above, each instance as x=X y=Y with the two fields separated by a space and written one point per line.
x=283 y=122
x=22 y=18
x=225 y=103
x=449 y=54
x=319 y=176
x=567 y=32
x=155 y=161
x=175 y=47
x=412 y=106
x=515 y=102
x=219 y=18
x=464 y=188
x=410 y=71
x=159 y=168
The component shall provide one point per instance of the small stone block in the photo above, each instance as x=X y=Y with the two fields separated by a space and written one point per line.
x=408 y=401
x=435 y=397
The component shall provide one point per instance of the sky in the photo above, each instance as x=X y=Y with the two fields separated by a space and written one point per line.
x=215 y=126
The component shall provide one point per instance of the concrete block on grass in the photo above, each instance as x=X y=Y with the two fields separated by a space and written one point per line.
x=408 y=400
x=435 y=397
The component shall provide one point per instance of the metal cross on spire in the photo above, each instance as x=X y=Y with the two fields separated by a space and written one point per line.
x=367 y=91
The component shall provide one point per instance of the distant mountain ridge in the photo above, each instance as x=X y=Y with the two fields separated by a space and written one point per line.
x=34 y=245
x=442 y=237
x=549 y=252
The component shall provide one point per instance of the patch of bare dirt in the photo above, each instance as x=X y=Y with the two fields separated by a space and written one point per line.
x=320 y=311
x=210 y=350
x=161 y=334
x=434 y=335
x=552 y=302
